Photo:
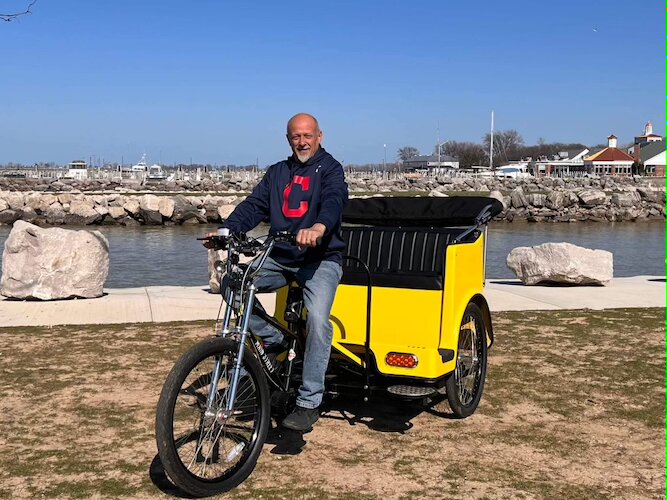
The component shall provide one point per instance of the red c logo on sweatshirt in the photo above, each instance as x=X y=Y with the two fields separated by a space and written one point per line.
x=295 y=213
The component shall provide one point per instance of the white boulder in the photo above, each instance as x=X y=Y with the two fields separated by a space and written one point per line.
x=225 y=211
x=213 y=276
x=82 y=212
x=53 y=263
x=132 y=206
x=166 y=206
x=592 y=197
x=15 y=200
x=561 y=263
x=116 y=212
x=150 y=202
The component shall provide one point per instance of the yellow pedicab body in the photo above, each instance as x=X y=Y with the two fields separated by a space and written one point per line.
x=426 y=259
x=421 y=322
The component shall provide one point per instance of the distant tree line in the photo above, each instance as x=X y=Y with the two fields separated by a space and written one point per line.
x=508 y=145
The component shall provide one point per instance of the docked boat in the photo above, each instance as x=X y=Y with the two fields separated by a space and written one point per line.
x=77 y=169
x=140 y=166
x=155 y=173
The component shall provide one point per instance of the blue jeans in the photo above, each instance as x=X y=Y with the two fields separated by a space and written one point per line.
x=319 y=282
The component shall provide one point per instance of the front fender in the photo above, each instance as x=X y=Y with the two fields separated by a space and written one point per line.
x=481 y=302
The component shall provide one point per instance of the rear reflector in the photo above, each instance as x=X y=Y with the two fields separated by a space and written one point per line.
x=401 y=359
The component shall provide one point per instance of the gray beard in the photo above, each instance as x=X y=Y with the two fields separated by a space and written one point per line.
x=304 y=157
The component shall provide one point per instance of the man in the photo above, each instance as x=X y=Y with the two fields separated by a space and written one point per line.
x=305 y=195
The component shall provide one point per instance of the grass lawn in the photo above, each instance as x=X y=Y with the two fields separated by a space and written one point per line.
x=574 y=407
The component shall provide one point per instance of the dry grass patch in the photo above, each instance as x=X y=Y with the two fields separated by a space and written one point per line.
x=574 y=408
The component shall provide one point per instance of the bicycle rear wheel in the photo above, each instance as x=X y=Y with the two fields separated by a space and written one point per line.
x=466 y=384
x=205 y=453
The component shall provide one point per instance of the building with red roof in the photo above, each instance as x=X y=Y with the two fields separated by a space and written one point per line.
x=610 y=161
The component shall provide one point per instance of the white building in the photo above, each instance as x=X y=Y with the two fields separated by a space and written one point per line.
x=564 y=164
x=432 y=163
x=656 y=165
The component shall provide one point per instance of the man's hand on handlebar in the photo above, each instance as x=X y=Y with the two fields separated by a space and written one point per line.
x=310 y=237
x=208 y=243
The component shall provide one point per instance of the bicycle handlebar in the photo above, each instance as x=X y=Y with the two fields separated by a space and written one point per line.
x=246 y=245
x=222 y=241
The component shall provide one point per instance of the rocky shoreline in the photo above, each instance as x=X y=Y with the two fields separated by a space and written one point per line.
x=88 y=202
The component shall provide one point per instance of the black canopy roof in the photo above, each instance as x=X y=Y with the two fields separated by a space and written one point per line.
x=412 y=211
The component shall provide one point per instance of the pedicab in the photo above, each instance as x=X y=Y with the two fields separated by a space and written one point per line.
x=410 y=321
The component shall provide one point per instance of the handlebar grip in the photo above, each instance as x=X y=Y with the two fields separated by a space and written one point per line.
x=285 y=236
x=211 y=238
x=288 y=237
x=215 y=242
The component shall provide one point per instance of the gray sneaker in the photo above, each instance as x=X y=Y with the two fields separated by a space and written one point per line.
x=301 y=419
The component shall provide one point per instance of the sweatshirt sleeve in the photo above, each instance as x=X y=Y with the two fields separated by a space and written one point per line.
x=333 y=197
x=253 y=210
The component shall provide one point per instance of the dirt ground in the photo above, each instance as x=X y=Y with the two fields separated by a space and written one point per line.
x=574 y=407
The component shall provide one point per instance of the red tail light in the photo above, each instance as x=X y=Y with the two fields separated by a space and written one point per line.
x=401 y=359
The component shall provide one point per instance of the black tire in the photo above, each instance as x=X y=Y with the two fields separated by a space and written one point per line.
x=206 y=455
x=466 y=383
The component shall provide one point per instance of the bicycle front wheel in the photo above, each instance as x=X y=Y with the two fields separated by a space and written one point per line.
x=204 y=448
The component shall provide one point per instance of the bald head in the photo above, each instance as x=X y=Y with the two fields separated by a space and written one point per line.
x=301 y=118
x=304 y=136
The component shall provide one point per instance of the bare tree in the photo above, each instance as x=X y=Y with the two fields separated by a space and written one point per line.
x=407 y=152
x=507 y=145
x=11 y=17
x=548 y=149
x=468 y=153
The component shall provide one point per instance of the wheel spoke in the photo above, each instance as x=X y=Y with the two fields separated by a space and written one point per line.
x=467 y=366
x=205 y=447
x=204 y=442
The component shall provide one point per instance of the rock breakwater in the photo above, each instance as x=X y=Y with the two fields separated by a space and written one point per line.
x=70 y=202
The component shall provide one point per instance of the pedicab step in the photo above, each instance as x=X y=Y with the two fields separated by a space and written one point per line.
x=411 y=391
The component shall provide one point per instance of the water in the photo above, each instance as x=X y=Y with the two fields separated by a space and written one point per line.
x=152 y=255
x=171 y=255
x=638 y=248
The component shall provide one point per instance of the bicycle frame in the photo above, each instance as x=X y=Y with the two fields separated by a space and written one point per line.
x=242 y=334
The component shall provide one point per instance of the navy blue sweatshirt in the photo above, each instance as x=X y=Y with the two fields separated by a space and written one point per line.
x=292 y=196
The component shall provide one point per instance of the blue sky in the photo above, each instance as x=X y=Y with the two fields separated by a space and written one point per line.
x=212 y=81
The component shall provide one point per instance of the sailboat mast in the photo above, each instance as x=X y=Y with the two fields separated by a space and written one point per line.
x=491 y=145
x=438 y=143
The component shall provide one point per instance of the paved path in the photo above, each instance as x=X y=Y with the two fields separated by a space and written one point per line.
x=173 y=303
x=638 y=291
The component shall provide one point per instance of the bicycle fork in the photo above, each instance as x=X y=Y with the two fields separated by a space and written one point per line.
x=236 y=369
